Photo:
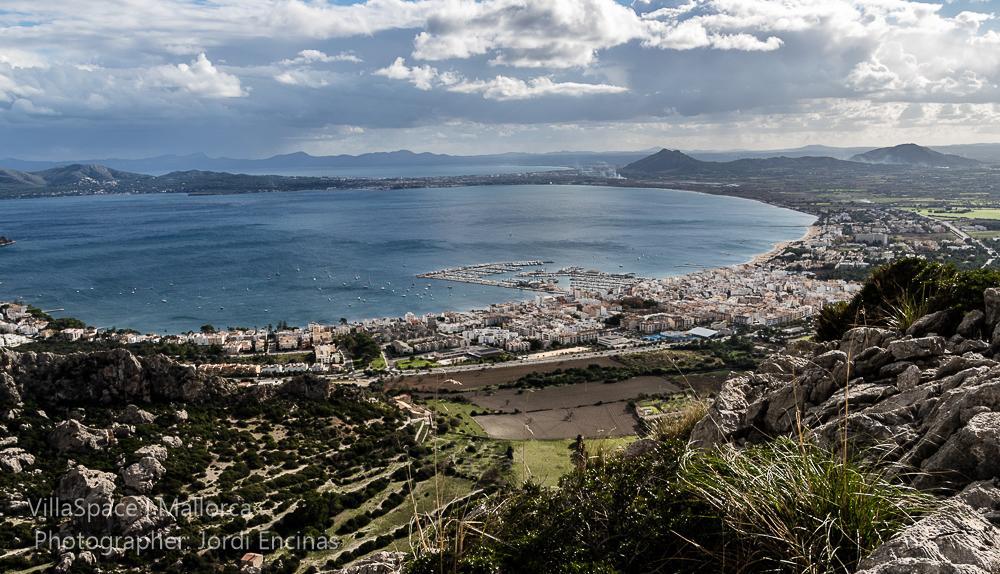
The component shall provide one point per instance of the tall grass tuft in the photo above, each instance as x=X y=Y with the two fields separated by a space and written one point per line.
x=907 y=309
x=797 y=507
x=677 y=425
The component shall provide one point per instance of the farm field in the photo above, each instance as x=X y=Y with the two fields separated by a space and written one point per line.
x=488 y=376
x=545 y=461
x=569 y=396
x=981 y=213
x=596 y=421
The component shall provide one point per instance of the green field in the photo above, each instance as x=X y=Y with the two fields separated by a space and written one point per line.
x=980 y=213
x=415 y=363
x=378 y=364
x=545 y=461
x=462 y=411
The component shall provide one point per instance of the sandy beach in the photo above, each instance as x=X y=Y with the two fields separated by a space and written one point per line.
x=811 y=232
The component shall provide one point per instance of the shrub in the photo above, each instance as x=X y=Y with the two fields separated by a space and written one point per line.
x=625 y=515
x=798 y=507
x=898 y=293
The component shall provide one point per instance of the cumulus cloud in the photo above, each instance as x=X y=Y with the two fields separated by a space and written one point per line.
x=285 y=67
x=318 y=56
x=498 y=88
x=200 y=78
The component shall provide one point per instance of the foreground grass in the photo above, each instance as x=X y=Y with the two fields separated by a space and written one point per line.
x=797 y=506
x=775 y=507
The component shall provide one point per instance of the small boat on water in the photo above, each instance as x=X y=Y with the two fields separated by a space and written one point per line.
x=5 y=241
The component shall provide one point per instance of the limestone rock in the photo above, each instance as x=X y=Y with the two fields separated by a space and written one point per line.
x=991 y=305
x=135 y=416
x=143 y=475
x=909 y=378
x=938 y=323
x=14 y=460
x=159 y=452
x=139 y=515
x=860 y=338
x=972 y=325
x=72 y=435
x=909 y=349
x=379 y=563
x=725 y=416
x=973 y=453
x=94 y=488
x=830 y=359
x=955 y=540
x=172 y=441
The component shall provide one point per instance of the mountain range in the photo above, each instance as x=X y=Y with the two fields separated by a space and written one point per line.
x=670 y=163
x=301 y=163
x=78 y=179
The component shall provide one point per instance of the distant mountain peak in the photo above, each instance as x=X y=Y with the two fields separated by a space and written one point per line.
x=915 y=155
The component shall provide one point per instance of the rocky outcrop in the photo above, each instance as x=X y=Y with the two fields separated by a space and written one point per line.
x=133 y=415
x=104 y=377
x=142 y=476
x=95 y=491
x=927 y=402
x=378 y=563
x=90 y=489
x=14 y=460
x=72 y=435
x=956 y=539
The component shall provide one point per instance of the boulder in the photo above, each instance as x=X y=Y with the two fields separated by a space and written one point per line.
x=972 y=325
x=909 y=378
x=725 y=416
x=991 y=306
x=95 y=489
x=909 y=349
x=783 y=365
x=14 y=460
x=172 y=441
x=960 y=363
x=143 y=475
x=139 y=516
x=971 y=346
x=860 y=338
x=983 y=496
x=133 y=415
x=830 y=359
x=938 y=323
x=72 y=435
x=972 y=453
x=870 y=360
x=159 y=452
x=956 y=540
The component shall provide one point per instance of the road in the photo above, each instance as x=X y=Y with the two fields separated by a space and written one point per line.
x=966 y=237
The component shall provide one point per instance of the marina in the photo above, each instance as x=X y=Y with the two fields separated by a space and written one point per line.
x=589 y=280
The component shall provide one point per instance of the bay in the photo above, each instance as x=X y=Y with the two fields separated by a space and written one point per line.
x=172 y=262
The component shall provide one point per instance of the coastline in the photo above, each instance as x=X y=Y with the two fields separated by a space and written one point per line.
x=811 y=232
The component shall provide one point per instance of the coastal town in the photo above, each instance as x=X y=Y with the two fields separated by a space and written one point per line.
x=572 y=311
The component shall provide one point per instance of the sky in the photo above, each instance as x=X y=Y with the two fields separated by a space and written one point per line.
x=251 y=78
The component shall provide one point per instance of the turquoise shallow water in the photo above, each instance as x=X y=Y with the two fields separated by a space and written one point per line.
x=174 y=262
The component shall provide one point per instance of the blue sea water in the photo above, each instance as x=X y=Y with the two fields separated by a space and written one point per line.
x=172 y=262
